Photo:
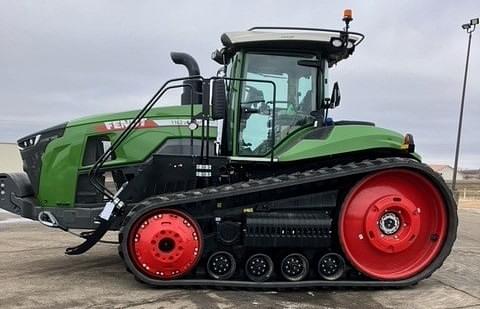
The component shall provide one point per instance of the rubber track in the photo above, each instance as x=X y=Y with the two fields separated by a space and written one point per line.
x=282 y=181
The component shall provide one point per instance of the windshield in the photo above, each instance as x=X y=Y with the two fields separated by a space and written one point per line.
x=295 y=99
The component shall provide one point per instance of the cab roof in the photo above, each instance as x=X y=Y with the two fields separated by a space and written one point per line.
x=289 y=38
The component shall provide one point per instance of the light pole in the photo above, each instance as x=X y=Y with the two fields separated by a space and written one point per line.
x=470 y=27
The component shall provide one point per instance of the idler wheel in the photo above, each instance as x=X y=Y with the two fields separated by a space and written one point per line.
x=393 y=224
x=165 y=244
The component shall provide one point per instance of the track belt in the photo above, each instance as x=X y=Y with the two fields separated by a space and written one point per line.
x=190 y=198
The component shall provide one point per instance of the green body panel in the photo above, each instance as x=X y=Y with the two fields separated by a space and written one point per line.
x=156 y=112
x=63 y=157
x=60 y=163
x=234 y=112
x=342 y=139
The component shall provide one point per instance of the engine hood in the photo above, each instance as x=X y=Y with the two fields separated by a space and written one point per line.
x=158 y=112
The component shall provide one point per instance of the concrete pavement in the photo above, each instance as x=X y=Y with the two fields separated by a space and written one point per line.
x=34 y=273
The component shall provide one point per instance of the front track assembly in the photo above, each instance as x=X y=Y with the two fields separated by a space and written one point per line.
x=396 y=225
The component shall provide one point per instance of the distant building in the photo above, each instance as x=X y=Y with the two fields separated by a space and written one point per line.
x=10 y=160
x=446 y=171
x=471 y=174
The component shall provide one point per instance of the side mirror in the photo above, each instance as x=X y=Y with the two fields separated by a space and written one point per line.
x=219 y=99
x=221 y=72
x=218 y=56
x=335 y=97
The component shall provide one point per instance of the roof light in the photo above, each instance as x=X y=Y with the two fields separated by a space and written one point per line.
x=337 y=42
x=347 y=15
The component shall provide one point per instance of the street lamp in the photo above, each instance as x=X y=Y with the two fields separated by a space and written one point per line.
x=470 y=27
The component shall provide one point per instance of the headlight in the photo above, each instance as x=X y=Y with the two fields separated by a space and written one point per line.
x=28 y=142
x=33 y=139
x=337 y=42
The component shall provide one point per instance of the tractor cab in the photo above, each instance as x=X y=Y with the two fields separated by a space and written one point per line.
x=277 y=83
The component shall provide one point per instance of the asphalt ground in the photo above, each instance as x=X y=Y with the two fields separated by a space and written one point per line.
x=34 y=273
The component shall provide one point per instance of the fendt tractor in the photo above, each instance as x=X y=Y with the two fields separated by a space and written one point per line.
x=249 y=182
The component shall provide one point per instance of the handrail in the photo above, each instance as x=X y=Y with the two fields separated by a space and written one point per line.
x=103 y=158
x=274 y=99
x=93 y=173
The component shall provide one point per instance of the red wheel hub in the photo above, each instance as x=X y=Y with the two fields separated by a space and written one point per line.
x=392 y=224
x=165 y=244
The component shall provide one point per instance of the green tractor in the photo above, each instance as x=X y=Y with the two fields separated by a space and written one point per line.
x=248 y=182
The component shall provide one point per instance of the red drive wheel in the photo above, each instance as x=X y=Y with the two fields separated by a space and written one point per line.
x=165 y=244
x=392 y=224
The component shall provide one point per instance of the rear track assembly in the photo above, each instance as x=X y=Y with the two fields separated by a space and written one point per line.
x=258 y=269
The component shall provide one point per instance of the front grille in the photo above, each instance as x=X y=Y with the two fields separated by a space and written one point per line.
x=32 y=148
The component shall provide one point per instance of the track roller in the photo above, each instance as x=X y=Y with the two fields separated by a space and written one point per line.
x=294 y=267
x=221 y=265
x=259 y=267
x=331 y=266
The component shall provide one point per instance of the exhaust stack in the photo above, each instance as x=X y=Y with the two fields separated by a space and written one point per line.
x=193 y=94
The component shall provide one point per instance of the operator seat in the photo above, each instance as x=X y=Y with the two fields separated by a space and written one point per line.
x=306 y=105
x=255 y=95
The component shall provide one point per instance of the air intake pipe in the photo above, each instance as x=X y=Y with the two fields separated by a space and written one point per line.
x=192 y=94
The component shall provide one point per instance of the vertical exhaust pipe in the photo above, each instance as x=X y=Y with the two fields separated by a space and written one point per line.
x=186 y=60
x=189 y=95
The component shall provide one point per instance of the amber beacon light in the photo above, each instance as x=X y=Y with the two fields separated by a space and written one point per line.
x=347 y=15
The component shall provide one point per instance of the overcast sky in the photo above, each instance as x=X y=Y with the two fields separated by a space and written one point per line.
x=61 y=60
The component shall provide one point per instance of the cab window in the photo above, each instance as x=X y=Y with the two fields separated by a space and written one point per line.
x=294 y=100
